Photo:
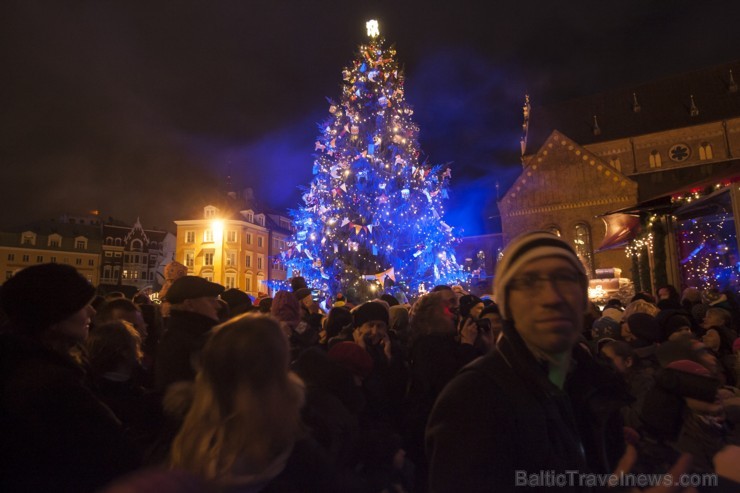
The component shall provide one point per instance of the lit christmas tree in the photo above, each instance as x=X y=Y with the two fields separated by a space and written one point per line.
x=373 y=212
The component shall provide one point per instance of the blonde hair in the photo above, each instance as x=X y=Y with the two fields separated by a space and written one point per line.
x=246 y=404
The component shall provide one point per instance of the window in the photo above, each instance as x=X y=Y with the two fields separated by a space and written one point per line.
x=39 y=259
x=231 y=259
x=189 y=259
x=136 y=245
x=53 y=260
x=118 y=242
x=582 y=243
x=208 y=277
x=127 y=258
x=190 y=237
x=210 y=212
x=54 y=243
x=81 y=243
x=108 y=254
x=11 y=256
x=116 y=272
x=248 y=283
x=125 y=274
x=230 y=281
x=91 y=262
x=118 y=254
x=231 y=236
x=208 y=236
x=249 y=216
x=249 y=238
x=8 y=274
x=259 y=242
x=106 y=272
x=705 y=151
x=208 y=259
x=259 y=262
x=28 y=238
x=151 y=275
x=260 y=219
x=78 y=261
x=26 y=258
x=655 y=160
x=248 y=261
x=108 y=240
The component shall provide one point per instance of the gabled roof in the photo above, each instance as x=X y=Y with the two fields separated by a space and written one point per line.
x=663 y=105
x=544 y=162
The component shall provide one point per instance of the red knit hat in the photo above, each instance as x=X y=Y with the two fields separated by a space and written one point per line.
x=352 y=357
x=689 y=366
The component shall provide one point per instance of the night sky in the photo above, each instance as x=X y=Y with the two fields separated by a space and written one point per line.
x=141 y=108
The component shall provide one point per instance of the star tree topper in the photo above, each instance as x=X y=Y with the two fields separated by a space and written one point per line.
x=372 y=28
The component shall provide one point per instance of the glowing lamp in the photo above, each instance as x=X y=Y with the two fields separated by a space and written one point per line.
x=372 y=28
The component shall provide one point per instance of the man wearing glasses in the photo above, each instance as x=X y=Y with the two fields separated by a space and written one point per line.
x=538 y=405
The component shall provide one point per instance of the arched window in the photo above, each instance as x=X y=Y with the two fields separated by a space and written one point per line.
x=705 y=151
x=582 y=242
x=106 y=272
x=109 y=240
x=118 y=242
x=655 y=160
x=136 y=245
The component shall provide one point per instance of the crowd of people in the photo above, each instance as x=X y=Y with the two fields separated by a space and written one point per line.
x=212 y=391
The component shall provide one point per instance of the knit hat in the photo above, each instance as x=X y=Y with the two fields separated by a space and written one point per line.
x=369 y=312
x=236 y=298
x=39 y=296
x=525 y=249
x=689 y=366
x=301 y=293
x=191 y=287
x=390 y=299
x=467 y=303
x=297 y=283
x=352 y=357
x=644 y=327
x=340 y=300
x=613 y=313
x=605 y=327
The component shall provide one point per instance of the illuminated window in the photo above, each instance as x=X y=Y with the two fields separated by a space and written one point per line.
x=655 y=160
x=210 y=212
x=582 y=242
x=705 y=151
x=208 y=236
x=125 y=274
x=231 y=259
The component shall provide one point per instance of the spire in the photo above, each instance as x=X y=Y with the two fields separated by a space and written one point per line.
x=732 y=86
x=526 y=109
x=635 y=104
x=597 y=129
x=693 y=109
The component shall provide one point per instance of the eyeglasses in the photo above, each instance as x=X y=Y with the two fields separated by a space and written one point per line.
x=533 y=283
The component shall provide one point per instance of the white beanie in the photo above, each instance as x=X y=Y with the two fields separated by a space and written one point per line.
x=523 y=250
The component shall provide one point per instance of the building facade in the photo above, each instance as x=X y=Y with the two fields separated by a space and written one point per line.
x=134 y=257
x=68 y=240
x=594 y=167
x=229 y=248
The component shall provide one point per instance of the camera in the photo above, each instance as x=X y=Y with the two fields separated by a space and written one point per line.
x=483 y=324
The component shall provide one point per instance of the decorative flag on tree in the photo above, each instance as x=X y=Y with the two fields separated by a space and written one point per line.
x=373 y=208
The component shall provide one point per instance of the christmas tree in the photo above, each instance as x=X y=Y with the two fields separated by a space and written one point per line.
x=374 y=211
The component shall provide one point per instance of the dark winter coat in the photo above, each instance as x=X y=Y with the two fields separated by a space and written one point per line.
x=179 y=350
x=56 y=435
x=501 y=414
